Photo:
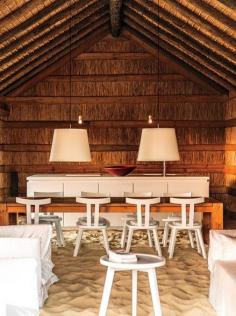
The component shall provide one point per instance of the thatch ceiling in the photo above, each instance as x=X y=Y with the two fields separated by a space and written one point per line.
x=198 y=35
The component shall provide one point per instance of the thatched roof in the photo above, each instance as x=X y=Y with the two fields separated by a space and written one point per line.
x=198 y=35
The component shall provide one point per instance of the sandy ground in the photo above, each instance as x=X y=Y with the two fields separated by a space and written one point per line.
x=183 y=282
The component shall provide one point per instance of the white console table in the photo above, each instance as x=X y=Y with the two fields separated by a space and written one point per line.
x=72 y=185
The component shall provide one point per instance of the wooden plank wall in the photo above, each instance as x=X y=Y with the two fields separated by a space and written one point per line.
x=230 y=153
x=115 y=87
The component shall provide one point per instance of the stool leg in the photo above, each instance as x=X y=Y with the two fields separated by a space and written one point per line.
x=123 y=235
x=106 y=291
x=149 y=238
x=172 y=242
x=157 y=244
x=128 y=245
x=190 y=236
x=60 y=237
x=134 y=292
x=154 y=292
x=199 y=234
x=197 y=242
x=105 y=240
x=165 y=234
x=78 y=241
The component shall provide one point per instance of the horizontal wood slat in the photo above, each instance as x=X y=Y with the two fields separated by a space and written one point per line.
x=112 y=124
x=47 y=148
x=109 y=99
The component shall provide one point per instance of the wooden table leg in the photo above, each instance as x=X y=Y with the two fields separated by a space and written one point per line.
x=212 y=220
x=4 y=216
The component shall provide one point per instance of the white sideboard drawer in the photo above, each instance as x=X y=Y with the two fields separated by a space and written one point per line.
x=157 y=188
x=115 y=188
x=74 y=188
x=44 y=186
x=197 y=188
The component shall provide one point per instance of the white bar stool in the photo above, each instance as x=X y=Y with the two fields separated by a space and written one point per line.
x=146 y=263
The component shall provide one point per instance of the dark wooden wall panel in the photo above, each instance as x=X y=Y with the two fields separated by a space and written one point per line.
x=116 y=68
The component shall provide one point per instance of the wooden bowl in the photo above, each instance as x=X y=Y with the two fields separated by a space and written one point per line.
x=119 y=171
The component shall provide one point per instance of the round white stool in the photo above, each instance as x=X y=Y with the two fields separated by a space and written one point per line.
x=146 y=263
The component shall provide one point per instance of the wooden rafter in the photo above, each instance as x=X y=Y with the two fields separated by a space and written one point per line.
x=176 y=63
x=52 y=50
x=190 y=55
x=84 y=24
x=44 y=30
x=115 y=16
x=182 y=27
x=45 y=69
x=144 y=19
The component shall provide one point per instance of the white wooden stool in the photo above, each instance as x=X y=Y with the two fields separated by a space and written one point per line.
x=146 y=263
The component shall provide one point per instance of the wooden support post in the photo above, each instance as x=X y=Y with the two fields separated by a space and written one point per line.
x=115 y=17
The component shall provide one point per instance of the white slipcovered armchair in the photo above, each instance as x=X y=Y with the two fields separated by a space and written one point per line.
x=44 y=234
x=20 y=275
x=222 y=266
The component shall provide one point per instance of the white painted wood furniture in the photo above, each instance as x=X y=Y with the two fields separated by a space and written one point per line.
x=143 y=222
x=173 y=218
x=92 y=221
x=40 y=219
x=146 y=263
x=20 y=275
x=52 y=218
x=132 y=216
x=44 y=234
x=187 y=223
x=73 y=184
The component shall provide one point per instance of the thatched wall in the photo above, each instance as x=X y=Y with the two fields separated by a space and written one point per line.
x=115 y=87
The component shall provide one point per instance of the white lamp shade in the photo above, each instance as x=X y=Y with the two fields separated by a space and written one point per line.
x=70 y=145
x=158 y=144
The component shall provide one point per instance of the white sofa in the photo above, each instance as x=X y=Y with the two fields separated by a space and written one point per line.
x=20 y=275
x=44 y=234
x=222 y=266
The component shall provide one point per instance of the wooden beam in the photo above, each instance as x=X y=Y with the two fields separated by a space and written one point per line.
x=178 y=64
x=214 y=32
x=168 y=43
x=56 y=62
x=154 y=13
x=45 y=32
x=179 y=37
x=33 y=20
x=114 y=56
x=115 y=99
x=230 y=123
x=53 y=48
x=114 y=147
x=117 y=78
x=115 y=17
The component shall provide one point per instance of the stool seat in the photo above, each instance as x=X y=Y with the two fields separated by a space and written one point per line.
x=82 y=221
x=145 y=263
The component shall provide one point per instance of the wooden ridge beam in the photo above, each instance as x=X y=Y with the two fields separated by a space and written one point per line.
x=116 y=78
x=114 y=147
x=115 y=16
x=181 y=38
x=178 y=64
x=44 y=31
x=114 y=99
x=52 y=48
x=56 y=61
x=154 y=13
x=167 y=43
x=113 y=55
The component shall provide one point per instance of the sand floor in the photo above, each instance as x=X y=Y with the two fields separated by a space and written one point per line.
x=183 y=282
